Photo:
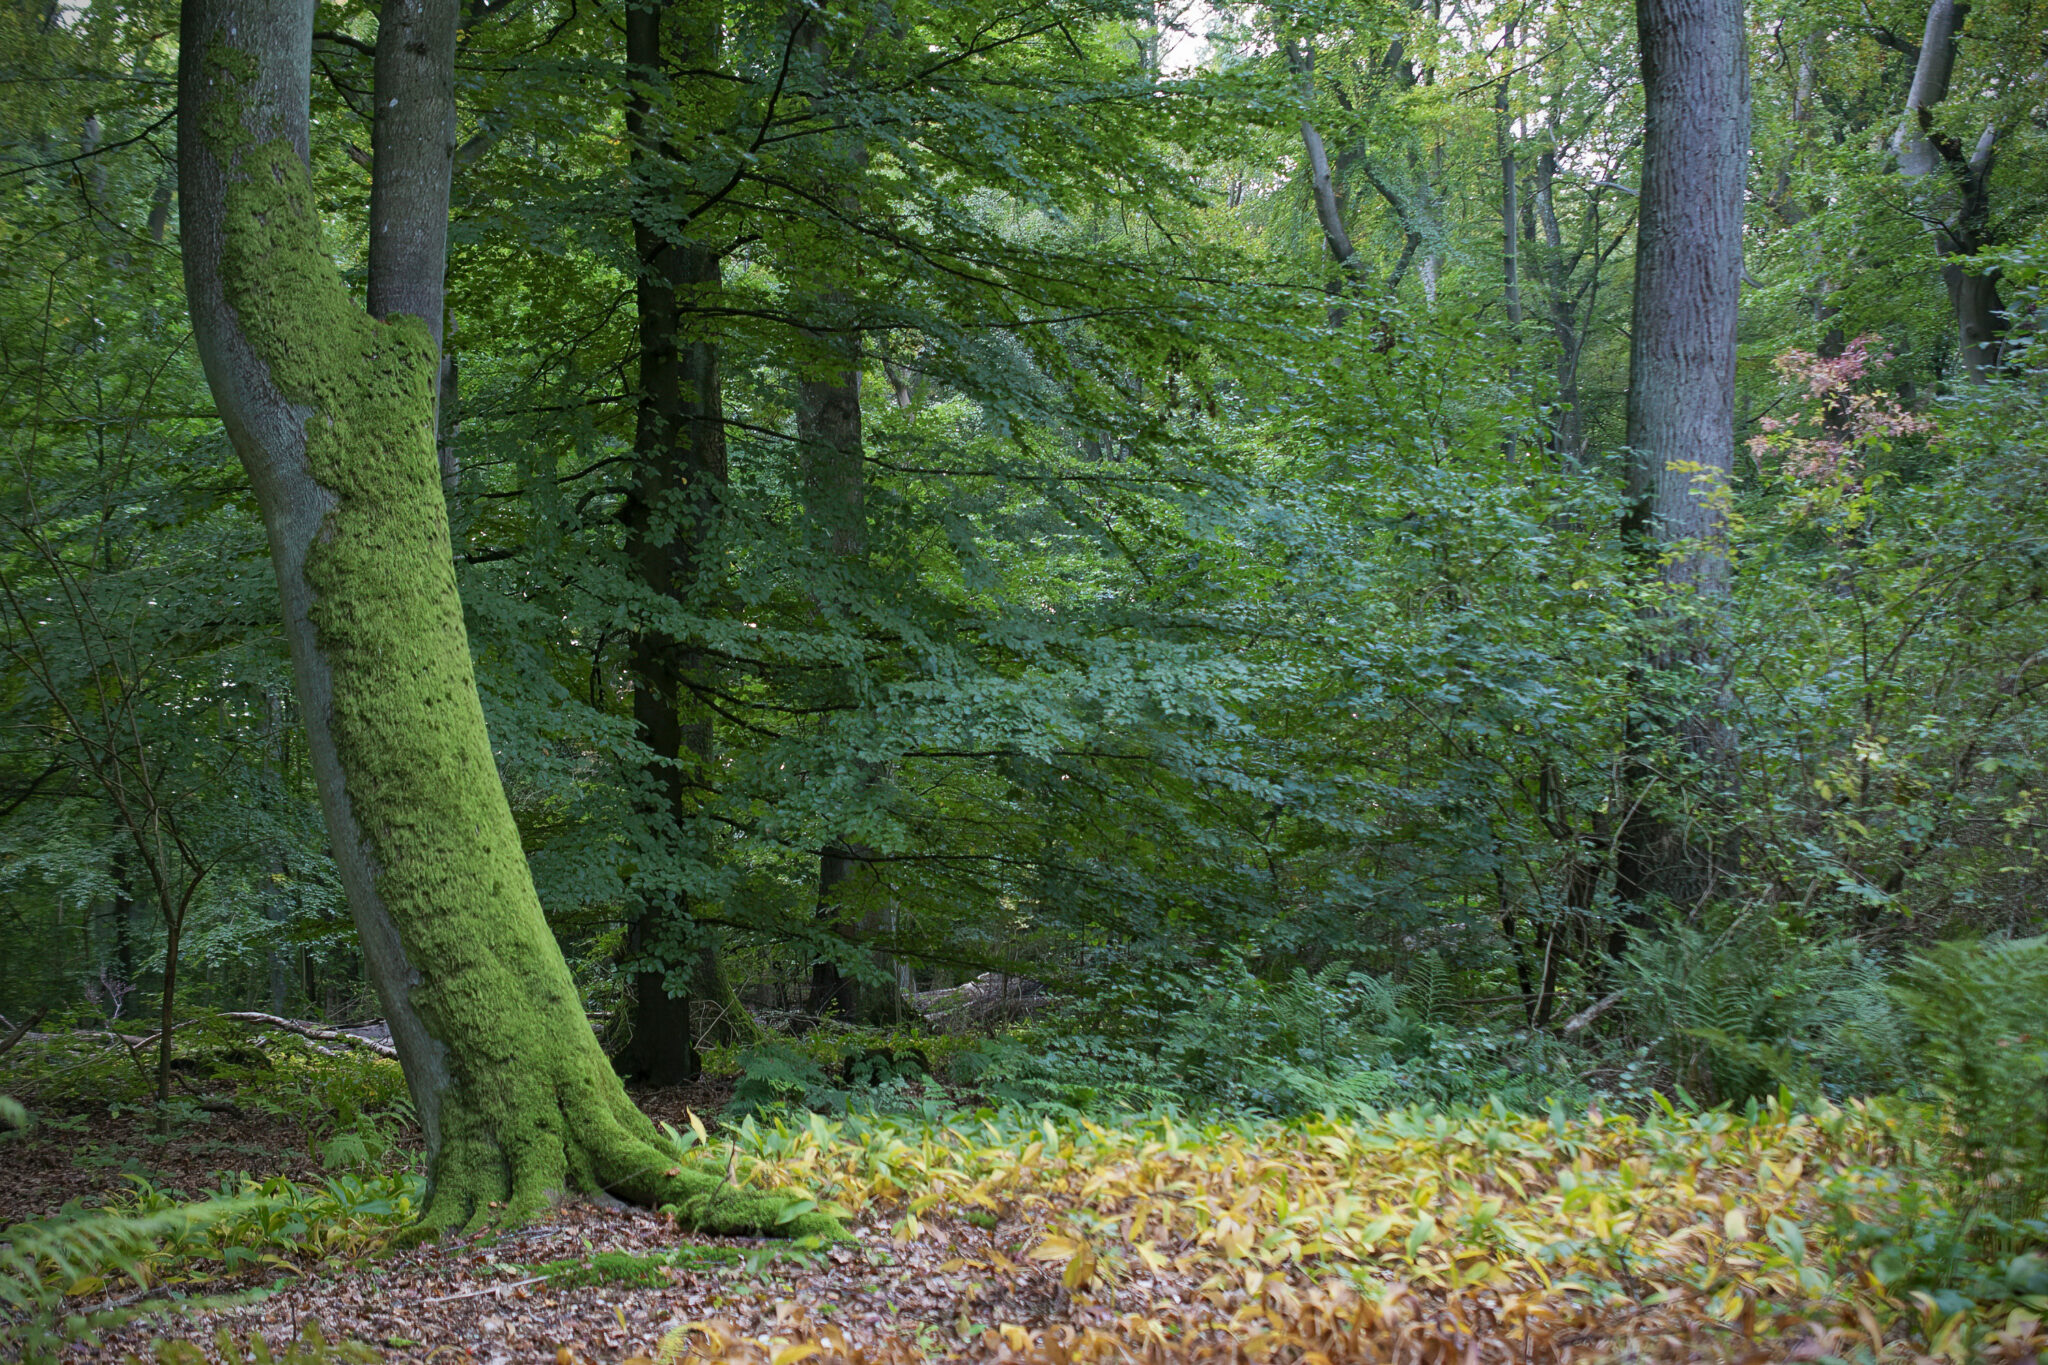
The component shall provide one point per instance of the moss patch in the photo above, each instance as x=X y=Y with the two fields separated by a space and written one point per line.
x=606 y=1267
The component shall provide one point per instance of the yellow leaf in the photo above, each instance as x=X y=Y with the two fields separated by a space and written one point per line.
x=790 y=1355
x=1055 y=1249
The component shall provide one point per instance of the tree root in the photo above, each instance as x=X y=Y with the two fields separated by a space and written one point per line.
x=501 y=1171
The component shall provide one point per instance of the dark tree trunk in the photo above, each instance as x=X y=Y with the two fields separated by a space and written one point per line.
x=1681 y=428
x=832 y=481
x=832 y=473
x=670 y=516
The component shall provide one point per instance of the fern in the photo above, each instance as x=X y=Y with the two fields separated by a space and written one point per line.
x=1740 y=1013
x=1979 y=1013
x=41 y=1264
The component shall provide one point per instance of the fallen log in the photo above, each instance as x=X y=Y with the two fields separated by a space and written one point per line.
x=315 y=1032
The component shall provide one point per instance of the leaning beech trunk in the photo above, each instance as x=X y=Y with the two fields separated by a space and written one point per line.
x=332 y=413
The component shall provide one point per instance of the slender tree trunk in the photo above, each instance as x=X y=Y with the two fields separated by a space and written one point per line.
x=332 y=413
x=1510 y=206
x=670 y=515
x=124 y=920
x=1681 y=422
x=1567 y=423
x=1324 y=193
x=832 y=473
x=167 y=1019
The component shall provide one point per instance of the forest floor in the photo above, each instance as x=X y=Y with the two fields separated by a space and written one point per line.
x=995 y=1238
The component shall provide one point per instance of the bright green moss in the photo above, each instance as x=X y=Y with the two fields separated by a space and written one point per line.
x=536 y=1108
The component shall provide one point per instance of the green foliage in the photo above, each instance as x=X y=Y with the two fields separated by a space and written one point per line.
x=1738 y=1011
x=1979 y=1016
x=1337 y=1039
x=776 y=1075
x=351 y=1105
x=606 y=1267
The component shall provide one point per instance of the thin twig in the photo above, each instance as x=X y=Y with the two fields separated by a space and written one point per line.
x=489 y=1289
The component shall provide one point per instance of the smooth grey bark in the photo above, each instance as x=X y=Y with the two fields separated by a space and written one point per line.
x=1958 y=211
x=412 y=148
x=1681 y=406
x=412 y=155
x=1324 y=195
x=1413 y=212
x=268 y=432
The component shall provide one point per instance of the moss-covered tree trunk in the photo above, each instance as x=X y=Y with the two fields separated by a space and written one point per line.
x=332 y=413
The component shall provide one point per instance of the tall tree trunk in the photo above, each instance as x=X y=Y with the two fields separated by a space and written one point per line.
x=832 y=474
x=1324 y=193
x=1567 y=423
x=1681 y=417
x=832 y=481
x=1959 y=211
x=680 y=472
x=1510 y=219
x=332 y=413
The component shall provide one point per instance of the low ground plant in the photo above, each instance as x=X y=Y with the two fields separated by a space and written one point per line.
x=69 y=1277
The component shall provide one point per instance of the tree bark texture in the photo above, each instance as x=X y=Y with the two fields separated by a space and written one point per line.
x=1324 y=193
x=832 y=475
x=832 y=482
x=332 y=413
x=1681 y=396
x=1681 y=405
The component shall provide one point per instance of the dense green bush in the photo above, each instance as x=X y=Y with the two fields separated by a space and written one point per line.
x=1338 y=1038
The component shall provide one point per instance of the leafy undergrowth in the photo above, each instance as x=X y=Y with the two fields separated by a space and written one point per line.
x=1409 y=1236
x=1414 y=1235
